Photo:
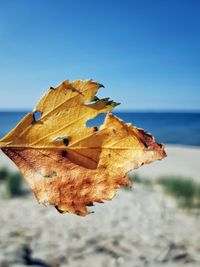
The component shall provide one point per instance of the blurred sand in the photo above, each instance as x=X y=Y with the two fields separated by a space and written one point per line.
x=181 y=160
x=140 y=227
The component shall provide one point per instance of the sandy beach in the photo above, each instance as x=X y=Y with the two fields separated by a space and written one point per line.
x=140 y=227
x=181 y=160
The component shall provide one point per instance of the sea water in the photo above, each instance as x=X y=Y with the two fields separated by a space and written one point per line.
x=168 y=127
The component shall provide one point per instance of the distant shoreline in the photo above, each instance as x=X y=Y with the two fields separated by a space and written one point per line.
x=179 y=128
x=119 y=111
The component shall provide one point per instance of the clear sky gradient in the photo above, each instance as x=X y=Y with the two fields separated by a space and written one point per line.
x=146 y=53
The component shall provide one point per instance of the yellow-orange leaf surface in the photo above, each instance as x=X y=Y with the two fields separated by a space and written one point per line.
x=68 y=164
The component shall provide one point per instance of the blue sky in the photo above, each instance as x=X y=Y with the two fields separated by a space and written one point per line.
x=146 y=53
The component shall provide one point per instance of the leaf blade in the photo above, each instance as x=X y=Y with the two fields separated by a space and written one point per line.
x=68 y=164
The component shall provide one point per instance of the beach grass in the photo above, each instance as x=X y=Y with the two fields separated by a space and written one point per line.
x=4 y=173
x=136 y=178
x=13 y=183
x=184 y=189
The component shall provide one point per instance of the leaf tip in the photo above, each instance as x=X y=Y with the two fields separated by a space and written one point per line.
x=101 y=85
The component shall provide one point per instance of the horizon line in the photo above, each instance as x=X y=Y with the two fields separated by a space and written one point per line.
x=123 y=110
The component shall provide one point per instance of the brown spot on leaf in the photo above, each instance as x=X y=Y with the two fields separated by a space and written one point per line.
x=78 y=212
x=66 y=141
x=59 y=210
x=95 y=128
x=64 y=153
x=89 y=204
x=50 y=175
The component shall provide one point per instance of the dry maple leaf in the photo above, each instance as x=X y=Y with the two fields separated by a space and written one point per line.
x=68 y=164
